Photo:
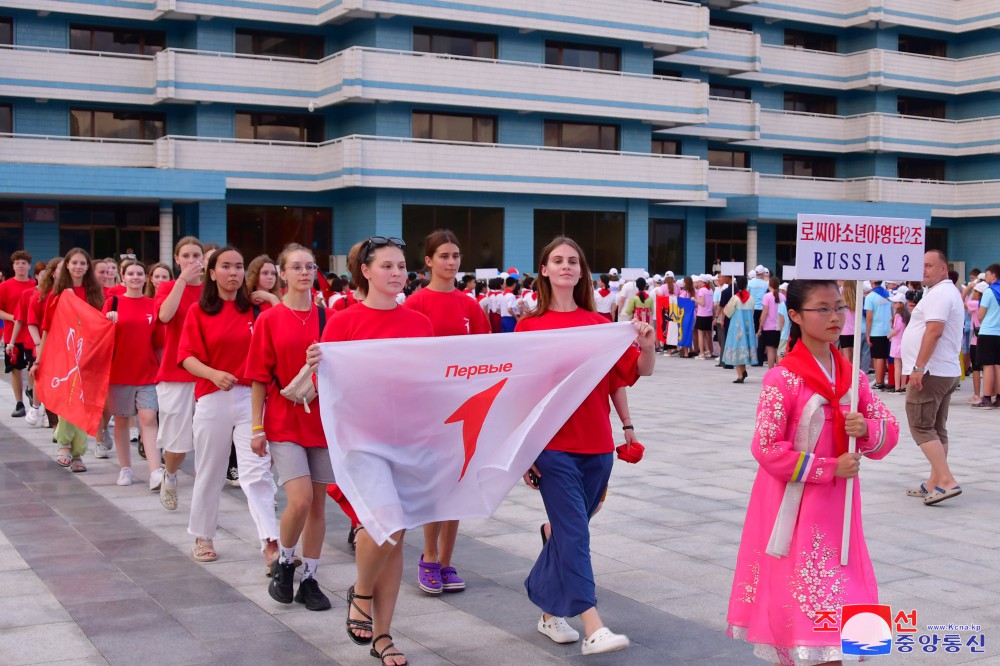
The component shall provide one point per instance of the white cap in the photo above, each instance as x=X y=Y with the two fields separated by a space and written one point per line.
x=752 y=274
x=867 y=286
x=613 y=271
x=503 y=276
x=705 y=277
x=657 y=278
x=783 y=286
x=645 y=275
x=668 y=274
x=898 y=298
x=981 y=287
x=759 y=269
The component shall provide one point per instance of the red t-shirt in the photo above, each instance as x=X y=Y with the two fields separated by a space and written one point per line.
x=588 y=430
x=10 y=296
x=50 y=305
x=222 y=342
x=364 y=323
x=117 y=290
x=278 y=349
x=36 y=310
x=134 y=362
x=451 y=313
x=170 y=371
x=27 y=301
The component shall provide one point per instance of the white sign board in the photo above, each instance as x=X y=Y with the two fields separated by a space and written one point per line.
x=835 y=247
x=631 y=274
x=486 y=273
x=787 y=273
x=733 y=268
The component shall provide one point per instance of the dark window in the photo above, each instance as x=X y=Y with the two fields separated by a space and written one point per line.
x=814 y=166
x=6 y=119
x=454 y=127
x=726 y=23
x=917 y=168
x=923 y=46
x=600 y=234
x=726 y=240
x=583 y=55
x=666 y=147
x=108 y=230
x=286 y=45
x=811 y=103
x=784 y=246
x=814 y=41
x=580 y=135
x=279 y=127
x=116 y=40
x=666 y=245
x=117 y=124
x=919 y=106
x=469 y=44
x=11 y=233
x=738 y=159
x=259 y=230
x=726 y=90
x=6 y=30
x=479 y=232
x=671 y=73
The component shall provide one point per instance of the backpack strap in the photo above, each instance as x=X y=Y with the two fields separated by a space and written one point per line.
x=322 y=320
x=114 y=304
x=256 y=311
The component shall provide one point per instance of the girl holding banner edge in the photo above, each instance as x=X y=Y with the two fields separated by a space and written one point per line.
x=573 y=470
x=788 y=571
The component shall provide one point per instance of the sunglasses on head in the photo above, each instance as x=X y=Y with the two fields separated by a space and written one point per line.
x=375 y=242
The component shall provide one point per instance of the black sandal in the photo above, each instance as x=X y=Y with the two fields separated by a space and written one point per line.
x=360 y=625
x=385 y=651
x=351 y=536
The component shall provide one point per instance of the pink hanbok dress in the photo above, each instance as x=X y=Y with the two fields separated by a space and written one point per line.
x=788 y=569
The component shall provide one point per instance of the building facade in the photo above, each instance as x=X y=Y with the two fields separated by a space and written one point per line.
x=657 y=133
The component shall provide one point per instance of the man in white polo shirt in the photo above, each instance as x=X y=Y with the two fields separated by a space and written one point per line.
x=930 y=347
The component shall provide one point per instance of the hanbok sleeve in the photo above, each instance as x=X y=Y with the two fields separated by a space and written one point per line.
x=883 y=428
x=776 y=454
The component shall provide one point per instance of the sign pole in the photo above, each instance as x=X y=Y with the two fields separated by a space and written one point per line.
x=852 y=442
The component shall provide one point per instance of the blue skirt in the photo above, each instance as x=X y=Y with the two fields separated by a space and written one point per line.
x=562 y=581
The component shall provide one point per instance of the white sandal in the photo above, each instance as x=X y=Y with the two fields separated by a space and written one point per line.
x=604 y=640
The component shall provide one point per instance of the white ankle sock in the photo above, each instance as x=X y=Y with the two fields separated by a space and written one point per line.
x=170 y=479
x=287 y=554
x=309 y=566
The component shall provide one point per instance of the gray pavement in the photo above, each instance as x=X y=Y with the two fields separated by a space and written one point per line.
x=93 y=573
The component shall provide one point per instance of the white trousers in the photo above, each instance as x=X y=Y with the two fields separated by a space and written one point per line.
x=222 y=418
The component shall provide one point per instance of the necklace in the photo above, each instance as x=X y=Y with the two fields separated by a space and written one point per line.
x=301 y=319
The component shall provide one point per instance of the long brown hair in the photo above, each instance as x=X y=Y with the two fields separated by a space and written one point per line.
x=49 y=281
x=583 y=292
x=253 y=275
x=850 y=293
x=150 y=290
x=93 y=289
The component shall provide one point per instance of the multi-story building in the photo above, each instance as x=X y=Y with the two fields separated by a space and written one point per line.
x=658 y=133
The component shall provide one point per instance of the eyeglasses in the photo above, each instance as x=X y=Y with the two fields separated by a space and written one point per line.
x=126 y=256
x=826 y=312
x=375 y=242
x=302 y=268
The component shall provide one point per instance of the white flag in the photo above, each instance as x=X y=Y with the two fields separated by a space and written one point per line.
x=429 y=429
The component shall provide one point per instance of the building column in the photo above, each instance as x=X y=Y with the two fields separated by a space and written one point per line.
x=212 y=222
x=694 y=240
x=767 y=247
x=518 y=238
x=636 y=234
x=167 y=232
x=751 y=245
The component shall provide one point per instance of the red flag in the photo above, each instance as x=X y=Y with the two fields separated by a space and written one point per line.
x=324 y=285
x=73 y=373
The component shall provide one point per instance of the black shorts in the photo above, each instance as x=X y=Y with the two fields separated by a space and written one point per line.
x=770 y=338
x=703 y=323
x=974 y=360
x=880 y=347
x=847 y=341
x=23 y=358
x=988 y=351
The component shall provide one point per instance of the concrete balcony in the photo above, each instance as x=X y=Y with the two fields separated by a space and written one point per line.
x=728 y=181
x=939 y=15
x=43 y=73
x=728 y=52
x=728 y=120
x=76 y=151
x=367 y=74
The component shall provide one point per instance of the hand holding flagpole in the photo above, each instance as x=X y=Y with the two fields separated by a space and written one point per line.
x=852 y=442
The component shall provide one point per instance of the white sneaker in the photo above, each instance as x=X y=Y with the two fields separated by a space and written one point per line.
x=125 y=476
x=604 y=640
x=133 y=434
x=101 y=451
x=558 y=630
x=31 y=417
x=155 y=479
x=40 y=417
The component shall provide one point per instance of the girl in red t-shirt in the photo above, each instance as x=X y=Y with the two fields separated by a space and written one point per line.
x=157 y=274
x=573 y=470
x=31 y=314
x=451 y=312
x=132 y=389
x=262 y=282
x=291 y=434
x=214 y=346
x=77 y=276
x=379 y=269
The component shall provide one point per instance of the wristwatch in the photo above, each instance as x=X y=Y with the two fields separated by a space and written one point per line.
x=919 y=369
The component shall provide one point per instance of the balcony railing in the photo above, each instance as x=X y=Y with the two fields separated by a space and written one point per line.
x=940 y=15
x=728 y=120
x=728 y=51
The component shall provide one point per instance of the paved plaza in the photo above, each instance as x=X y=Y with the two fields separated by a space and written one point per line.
x=93 y=573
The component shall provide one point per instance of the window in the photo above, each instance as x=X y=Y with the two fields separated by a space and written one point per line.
x=665 y=147
x=737 y=159
x=670 y=73
x=726 y=240
x=286 y=45
x=580 y=135
x=726 y=90
x=811 y=103
x=469 y=44
x=813 y=41
x=600 y=234
x=117 y=124
x=666 y=245
x=917 y=168
x=583 y=55
x=11 y=233
x=479 y=232
x=732 y=25
x=6 y=119
x=259 y=230
x=923 y=46
x=919 y=106
x=116 y=40
x=454 y=127
x=813 y=166
x=280 y=127
x=107 y=230
x=784 y=247
x=6 y=30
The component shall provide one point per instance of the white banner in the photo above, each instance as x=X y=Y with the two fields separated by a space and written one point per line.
x=732 y=268
x=840 y=247
x=430 y=429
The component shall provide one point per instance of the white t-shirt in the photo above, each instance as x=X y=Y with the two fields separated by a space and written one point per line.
x=625 y=294
x=943 y=303
x=604 y=304
x=508 y=304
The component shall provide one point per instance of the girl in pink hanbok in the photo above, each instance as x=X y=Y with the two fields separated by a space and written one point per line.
x=788 y=571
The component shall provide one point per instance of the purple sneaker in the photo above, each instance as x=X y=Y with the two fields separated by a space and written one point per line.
x=429 y=576
x=451 y=582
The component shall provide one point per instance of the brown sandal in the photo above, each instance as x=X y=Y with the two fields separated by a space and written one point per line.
x=204 y=551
